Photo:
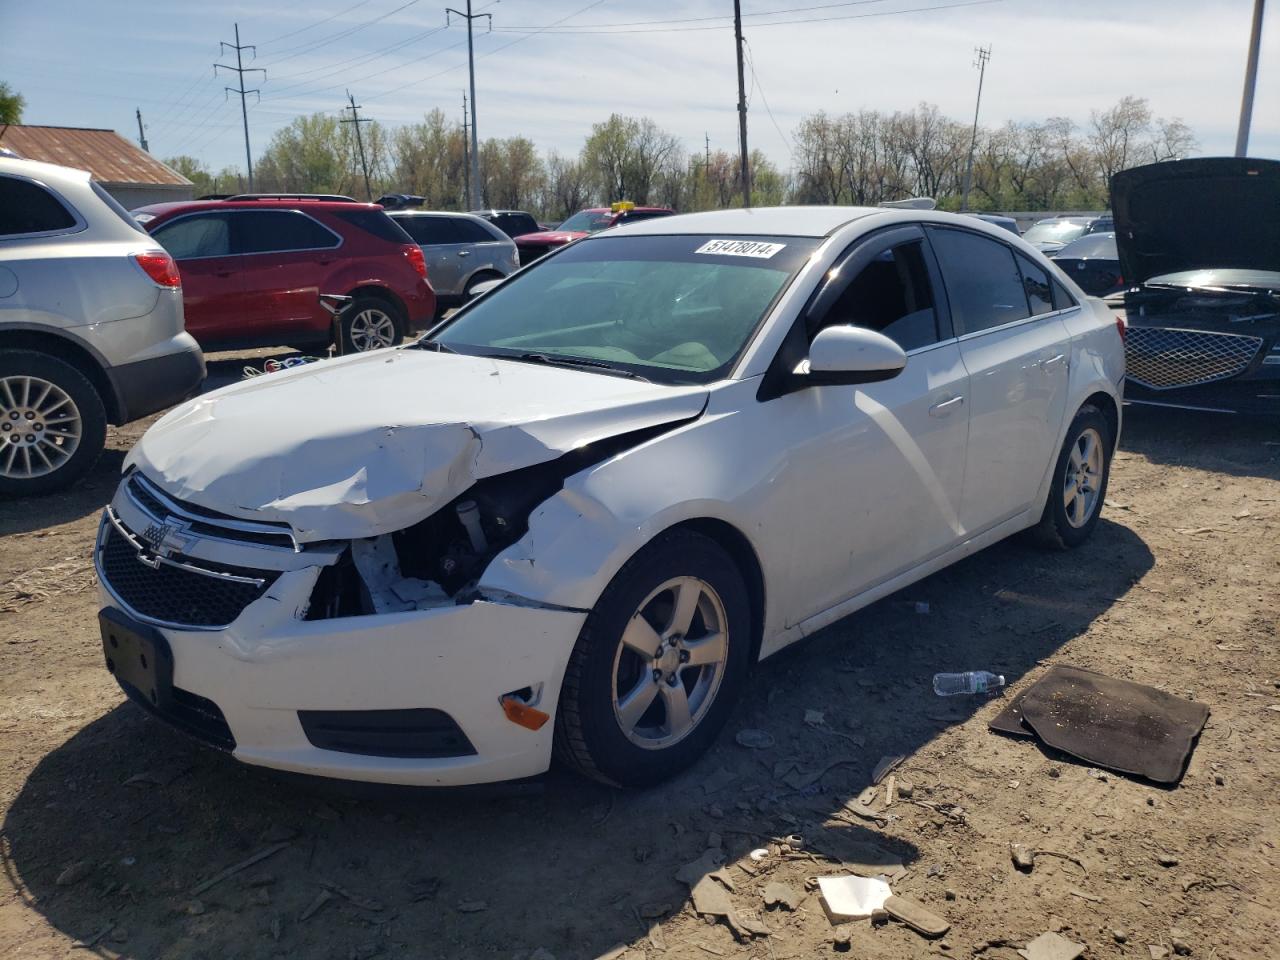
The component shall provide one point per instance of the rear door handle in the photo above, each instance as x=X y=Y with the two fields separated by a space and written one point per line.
x=946 y=407
x=1046 y=364
x=464 y=253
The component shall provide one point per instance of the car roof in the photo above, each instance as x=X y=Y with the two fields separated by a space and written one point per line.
x=158 y=209
x=798 y=221
x=39 y=170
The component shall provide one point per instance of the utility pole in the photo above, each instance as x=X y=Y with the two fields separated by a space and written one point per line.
x=474 y=190
x=357 y=120
x=984 y=54
x=742 y=108
x=240 y=70
x=707 y=137
x=142 y=137
x=466 y=153
x=1250 y=81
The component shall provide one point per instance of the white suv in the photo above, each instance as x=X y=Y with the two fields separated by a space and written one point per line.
x=91 y=328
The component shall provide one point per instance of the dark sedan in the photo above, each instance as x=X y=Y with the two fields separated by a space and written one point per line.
x=1200 y=248
x=1093 y=263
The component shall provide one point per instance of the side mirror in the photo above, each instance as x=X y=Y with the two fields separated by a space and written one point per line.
x=850 y=355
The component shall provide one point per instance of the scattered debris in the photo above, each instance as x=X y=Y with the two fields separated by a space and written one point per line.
x=74 y=873
x=651 y=911
x=814 y=718
x=159 y=777
x=916 y=916
x=1084 y=896
x=885 y=767
x=1167 y=860
x=758 y=854
x=88 y=943
x=1024 y=858
x=890 y=790
x=472 y=906
x=1052 y=946
x=783 y=895
x=235 y=868
x=321 y=898
x=364 y=903
x=1119 y=936
x=851 y=897
x=755 y=739
x=718 y=780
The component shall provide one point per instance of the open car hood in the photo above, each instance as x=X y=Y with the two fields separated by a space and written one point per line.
x=373 y=443
x=1205 y=213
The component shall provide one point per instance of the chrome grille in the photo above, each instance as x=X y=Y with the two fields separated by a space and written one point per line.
x=1163 y=358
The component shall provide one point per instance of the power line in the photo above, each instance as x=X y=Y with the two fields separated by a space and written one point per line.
x=717 y=17
x=318 y=23
x=240 y=70
x=757 y=85
x=310 y=45
x=363 y=57
x=775 y=23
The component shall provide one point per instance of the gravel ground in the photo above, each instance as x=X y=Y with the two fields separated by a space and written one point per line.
x=111 y=822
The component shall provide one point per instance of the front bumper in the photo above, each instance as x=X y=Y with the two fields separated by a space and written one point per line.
x=269 y=665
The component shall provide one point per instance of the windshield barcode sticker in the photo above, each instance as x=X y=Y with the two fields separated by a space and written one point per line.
x=741 y=248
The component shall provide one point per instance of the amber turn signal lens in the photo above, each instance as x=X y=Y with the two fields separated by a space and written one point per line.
x=522 y=714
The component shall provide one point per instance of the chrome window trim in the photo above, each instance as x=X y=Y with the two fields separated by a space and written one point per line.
x=79 y=226
x=247 y=526
x=257 y=253
x=1017 y=323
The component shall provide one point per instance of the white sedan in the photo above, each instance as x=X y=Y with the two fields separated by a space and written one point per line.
x=572 y=518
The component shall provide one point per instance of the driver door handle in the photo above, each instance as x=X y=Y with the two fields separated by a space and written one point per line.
x=1046 y=364
x=946 y=407
x=464 y=253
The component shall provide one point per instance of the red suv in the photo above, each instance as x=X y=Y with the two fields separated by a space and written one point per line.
x=253 y=270
x=584 y=222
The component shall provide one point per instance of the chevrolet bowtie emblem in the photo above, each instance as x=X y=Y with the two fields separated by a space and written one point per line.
x=165 y=539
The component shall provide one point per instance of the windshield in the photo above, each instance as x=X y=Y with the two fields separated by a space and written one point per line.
x=673 y=309
x=1054 y=231
x=587 y=221
x=1093 y=246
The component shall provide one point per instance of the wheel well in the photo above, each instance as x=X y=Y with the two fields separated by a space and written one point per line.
x=72 y=353
x=744 y=555
x=1107 y=405
x=385 y=295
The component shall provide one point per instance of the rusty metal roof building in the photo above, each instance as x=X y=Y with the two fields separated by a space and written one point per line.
x=127 y=172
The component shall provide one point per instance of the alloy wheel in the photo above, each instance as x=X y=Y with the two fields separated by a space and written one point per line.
x=372 y=329
x=670 y=662
x=40 y=427
x=1083 y=478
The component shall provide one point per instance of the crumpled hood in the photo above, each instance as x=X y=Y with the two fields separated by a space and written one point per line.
x=1203 y=213
x=371 y=444
x=550 y=238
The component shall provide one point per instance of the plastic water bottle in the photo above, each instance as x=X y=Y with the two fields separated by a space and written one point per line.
x=975 y=681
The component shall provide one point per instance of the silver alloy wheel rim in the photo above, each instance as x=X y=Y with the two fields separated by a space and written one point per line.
x=1083 y=478
x=372 y=329
x=669 y=663
x=40 y=427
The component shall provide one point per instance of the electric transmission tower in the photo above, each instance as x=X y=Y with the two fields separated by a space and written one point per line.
x=240 y=70
x=357 y=120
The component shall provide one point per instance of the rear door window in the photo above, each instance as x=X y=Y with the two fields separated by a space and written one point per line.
x=471 y=232
x=199 y=235
x=984 y=285
x=430 y=231
x=27 y=208
x=278 y=231
x=1035 y=281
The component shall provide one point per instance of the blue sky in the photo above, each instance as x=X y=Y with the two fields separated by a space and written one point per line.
x=92 y=62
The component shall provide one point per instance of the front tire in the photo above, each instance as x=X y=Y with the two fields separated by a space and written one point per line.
x=1079 y=484
x=371 y=323
x=52 y=424
x=658 y=665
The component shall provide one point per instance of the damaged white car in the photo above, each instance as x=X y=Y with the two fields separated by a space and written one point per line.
x=572 y=518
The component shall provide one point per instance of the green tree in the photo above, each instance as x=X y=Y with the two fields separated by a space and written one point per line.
x=12 y=103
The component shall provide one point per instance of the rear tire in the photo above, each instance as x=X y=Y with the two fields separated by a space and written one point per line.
x=53 y=425
x=371 y=323
x=1079 y=484
x=630 y=718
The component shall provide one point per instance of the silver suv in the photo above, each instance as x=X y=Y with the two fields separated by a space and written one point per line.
x=462 y=252
x=91 y=327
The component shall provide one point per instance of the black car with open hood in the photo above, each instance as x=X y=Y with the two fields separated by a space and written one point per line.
x=1199 y=245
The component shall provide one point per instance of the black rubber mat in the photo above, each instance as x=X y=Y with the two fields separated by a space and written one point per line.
x=1116 y=724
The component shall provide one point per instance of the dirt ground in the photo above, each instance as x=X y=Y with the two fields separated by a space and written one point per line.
x=111 y=822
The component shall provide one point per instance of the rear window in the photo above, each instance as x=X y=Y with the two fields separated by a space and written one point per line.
x=27 y=208
x=374 y=222
x=433 y=231
x=514 y=224
x=1100 y=246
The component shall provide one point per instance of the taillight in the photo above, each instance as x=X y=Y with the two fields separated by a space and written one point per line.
x=417 y=260
x=159 y=266
x=1122 y=327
